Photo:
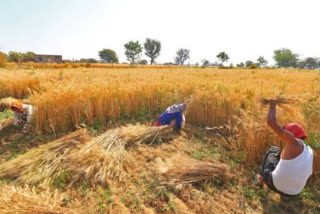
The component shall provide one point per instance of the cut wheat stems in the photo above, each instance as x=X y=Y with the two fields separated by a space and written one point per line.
x=281 y=100
x=180 y=174
x=27 y=201
x=41 y=164
x=102 y=158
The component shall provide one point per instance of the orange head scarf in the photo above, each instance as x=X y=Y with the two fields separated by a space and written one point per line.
x=16 y=106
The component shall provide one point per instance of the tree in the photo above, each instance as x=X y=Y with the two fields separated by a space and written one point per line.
x=152 y=48
x=67 y=61
x=205 y=63
x=3 y=59
x=311 y=63
x=143 y=62
x=285 y=58
x=241 y=65
x=262 y=62
x=223 y=57
x=133 y=51
x=248 y=63
x=182 y=56
x=88 y=60
x=28 y=57
x=108 y=56
x=15 y=57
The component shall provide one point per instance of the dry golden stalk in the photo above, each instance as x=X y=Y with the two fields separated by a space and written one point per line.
x=281 y=100
x=288 y=103
x=39 y=165
x=101 y=158
x=96 y=163
x=5 y=103
x=6 y=122
x=144 y=134
x=28 y=201
x=191 y=171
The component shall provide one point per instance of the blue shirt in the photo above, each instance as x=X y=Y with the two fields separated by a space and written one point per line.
x=166 y=118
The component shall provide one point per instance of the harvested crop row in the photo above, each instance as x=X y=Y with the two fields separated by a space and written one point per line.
x=95 y=160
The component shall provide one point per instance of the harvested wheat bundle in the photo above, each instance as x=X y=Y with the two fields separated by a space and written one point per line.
x=101 y=158
x=191 y=171
x=96 y=163
x=6 y=122
x=281 y=100
x=41 y=164
x=5 y=103
x=289 y=104
x=27 y=201
x=144 y=134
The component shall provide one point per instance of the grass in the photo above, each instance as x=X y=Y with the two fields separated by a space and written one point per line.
x=61 y=180
x=171 y=206
x=5 y=114
x=313 y=141
x=105 y=199
x=249 y=193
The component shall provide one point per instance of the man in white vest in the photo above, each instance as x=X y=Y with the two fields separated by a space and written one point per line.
x=286 y=172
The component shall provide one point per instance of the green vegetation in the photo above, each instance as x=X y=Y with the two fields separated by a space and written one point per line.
x=5 y=114
x=61 y=180
x=108 y=56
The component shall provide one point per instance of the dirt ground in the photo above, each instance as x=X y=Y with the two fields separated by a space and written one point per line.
x=140 y=189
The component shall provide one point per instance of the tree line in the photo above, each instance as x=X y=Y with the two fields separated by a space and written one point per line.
x=284 y=58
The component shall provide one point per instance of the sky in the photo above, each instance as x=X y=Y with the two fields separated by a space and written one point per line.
x=244 y=29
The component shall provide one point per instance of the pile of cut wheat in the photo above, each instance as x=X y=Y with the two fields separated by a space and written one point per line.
x=181 y=171
x=41 y=164
x=101 y=158
x=27 y=201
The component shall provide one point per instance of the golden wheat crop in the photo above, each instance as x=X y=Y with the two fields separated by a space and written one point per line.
x=66 y=98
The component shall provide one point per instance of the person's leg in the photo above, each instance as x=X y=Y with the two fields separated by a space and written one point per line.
x=270 y=161
x=173 y=124
x=183 y=122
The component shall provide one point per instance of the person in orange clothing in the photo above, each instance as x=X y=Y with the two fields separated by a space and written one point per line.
x=22 y=114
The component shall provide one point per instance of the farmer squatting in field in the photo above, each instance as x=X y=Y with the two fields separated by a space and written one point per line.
x=22 y=114
x=173 y=116
x=286 y=172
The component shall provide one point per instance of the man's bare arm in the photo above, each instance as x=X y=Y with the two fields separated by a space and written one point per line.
x=315 y=164
x=272 y=122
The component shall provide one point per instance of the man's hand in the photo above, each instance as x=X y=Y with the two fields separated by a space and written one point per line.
x=274 y=101
x=20 y=122
x=25 y=128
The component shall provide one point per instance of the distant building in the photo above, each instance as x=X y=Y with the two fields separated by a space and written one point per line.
x=40 y=58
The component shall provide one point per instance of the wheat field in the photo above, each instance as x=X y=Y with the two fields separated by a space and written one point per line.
x=67 y=98
x=217 y=99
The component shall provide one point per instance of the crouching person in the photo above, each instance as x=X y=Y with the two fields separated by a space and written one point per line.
x=22 y=114
x=286 y=172
x=173 y=116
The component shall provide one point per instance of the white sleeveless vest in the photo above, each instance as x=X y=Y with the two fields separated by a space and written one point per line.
x=290 y=176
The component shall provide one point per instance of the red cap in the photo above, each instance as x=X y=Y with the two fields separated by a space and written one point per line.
x=296 y=130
